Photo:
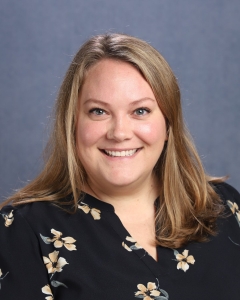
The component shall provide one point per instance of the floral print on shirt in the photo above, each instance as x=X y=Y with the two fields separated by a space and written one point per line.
x=8 y=218
x=235 y=210
x=2 y=277
x=136 y=246
x=46 y=290
x=96 y=213
x=183 y=260
x=54 y=263
x=8 y=221
x=59 y=241
x=151 y=292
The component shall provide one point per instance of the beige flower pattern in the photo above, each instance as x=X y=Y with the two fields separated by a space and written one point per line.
x=136 y=246
x=96 y=213
x=183 y=260
x=47 y=290
x=1 y=278
x=59 y=241
x=8 y=218
x=235 y=210
x=53 y=263
x=150 y=292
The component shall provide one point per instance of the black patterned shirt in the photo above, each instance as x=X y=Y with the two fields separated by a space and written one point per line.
x=48 y=253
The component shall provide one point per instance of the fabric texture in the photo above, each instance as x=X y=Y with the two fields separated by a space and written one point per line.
x=48 y=253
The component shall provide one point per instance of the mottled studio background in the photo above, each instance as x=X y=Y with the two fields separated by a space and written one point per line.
x=199 y=38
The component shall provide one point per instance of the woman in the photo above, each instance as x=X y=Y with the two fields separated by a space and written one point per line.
x=123 y=208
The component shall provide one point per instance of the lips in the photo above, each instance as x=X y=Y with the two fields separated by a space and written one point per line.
x=120 y=153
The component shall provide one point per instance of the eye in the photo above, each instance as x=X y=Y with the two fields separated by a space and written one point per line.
x=97 y=111
x=142 y=111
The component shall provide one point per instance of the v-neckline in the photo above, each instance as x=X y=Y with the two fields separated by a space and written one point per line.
x=115 y=223
x=143 y=255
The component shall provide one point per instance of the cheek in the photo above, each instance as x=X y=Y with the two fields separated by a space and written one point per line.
x=88 y=134
x=154 y=132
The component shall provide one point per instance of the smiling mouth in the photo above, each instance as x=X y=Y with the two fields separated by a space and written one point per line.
x=120 y=153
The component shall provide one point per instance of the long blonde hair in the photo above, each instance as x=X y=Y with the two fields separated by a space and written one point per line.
x=188 y=205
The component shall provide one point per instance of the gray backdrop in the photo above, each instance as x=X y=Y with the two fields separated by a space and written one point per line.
x=199 y=38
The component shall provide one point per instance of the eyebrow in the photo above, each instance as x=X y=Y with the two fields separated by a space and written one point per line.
x=107 y=104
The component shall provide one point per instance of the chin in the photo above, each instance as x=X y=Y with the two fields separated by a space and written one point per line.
x=116 y=181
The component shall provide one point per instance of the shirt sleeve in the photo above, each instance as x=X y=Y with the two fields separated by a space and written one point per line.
x=23 y=274
x=231 y=198
x=227 y=192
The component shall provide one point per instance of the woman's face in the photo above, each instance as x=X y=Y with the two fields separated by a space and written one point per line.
x=120 y=130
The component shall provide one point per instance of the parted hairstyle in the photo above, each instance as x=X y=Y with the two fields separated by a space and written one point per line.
x=188 y=205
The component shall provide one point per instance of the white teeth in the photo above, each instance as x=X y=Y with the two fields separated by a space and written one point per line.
x=121 y=153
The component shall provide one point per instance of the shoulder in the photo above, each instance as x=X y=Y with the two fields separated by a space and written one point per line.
x=231 y=200
x=21 y=254
x=227 y=192
x=7 y=215
x=33 y=215
x=25 y=210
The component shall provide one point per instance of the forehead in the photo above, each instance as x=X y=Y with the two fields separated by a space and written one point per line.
x=115 y=78
x=109 y=67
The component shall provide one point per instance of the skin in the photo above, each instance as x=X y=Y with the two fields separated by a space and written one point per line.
x=118 y=112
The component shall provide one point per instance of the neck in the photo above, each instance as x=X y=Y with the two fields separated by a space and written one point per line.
x=140 y=196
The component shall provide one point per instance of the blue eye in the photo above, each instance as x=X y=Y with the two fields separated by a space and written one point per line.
x=142 y=111
x=97 y=111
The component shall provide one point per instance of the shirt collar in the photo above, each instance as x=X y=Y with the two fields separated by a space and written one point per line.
x=96 y=203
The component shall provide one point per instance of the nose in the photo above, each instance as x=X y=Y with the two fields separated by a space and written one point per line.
x=120 y=129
